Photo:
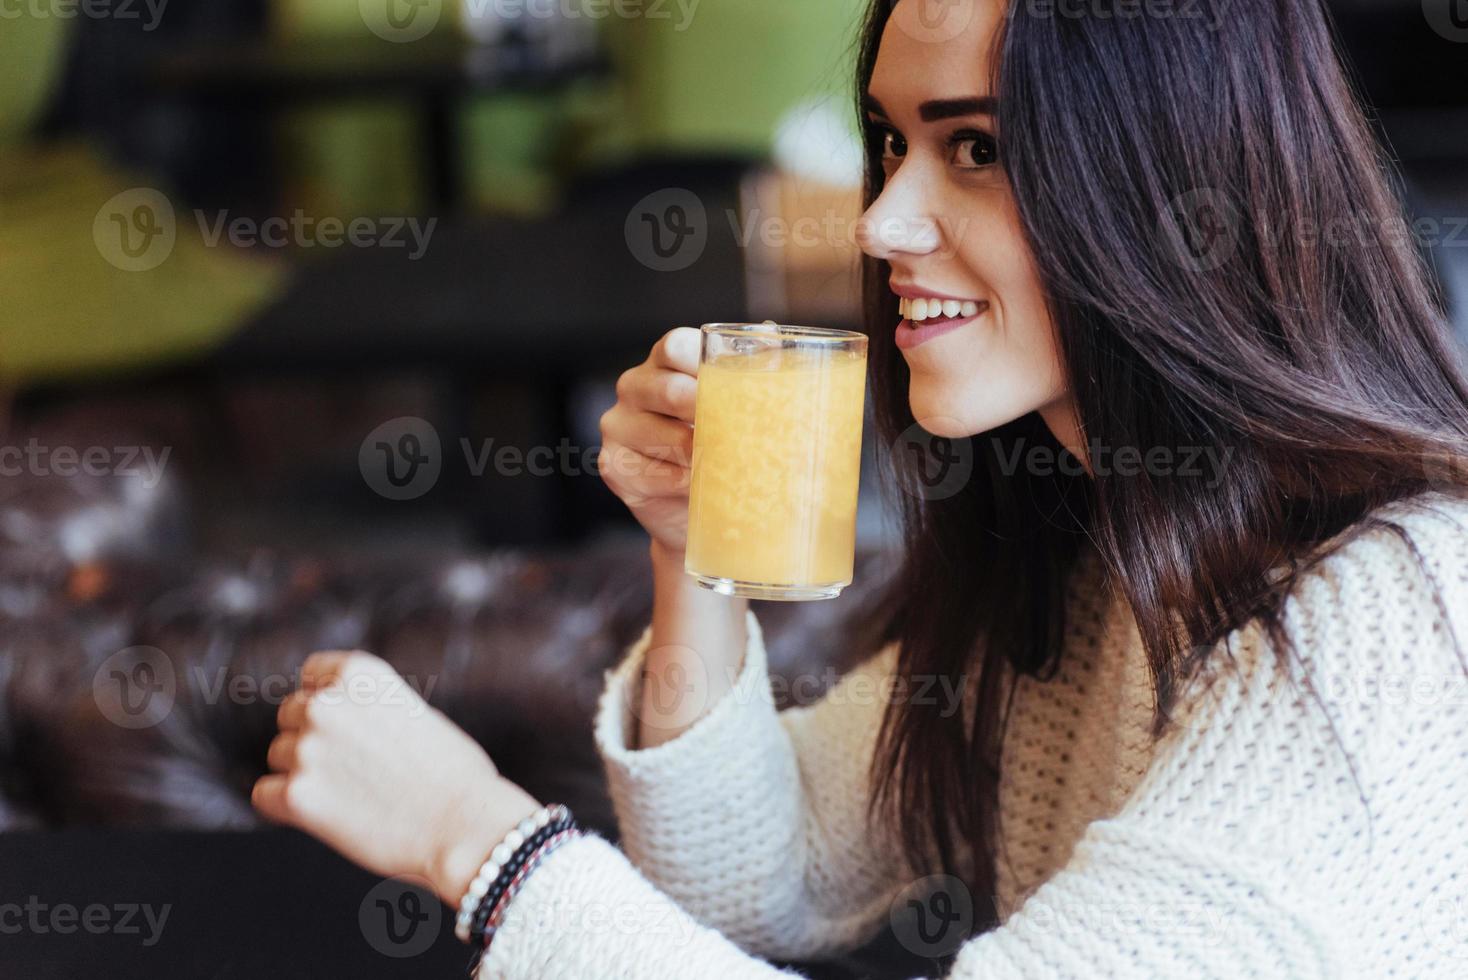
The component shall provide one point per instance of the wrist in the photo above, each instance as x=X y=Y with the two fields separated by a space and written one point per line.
x=469 y=837
x=674 y=588
x=666 y=562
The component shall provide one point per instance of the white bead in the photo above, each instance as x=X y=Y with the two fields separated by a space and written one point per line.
x=478 y=887
x=514 y=839
x=501 y=854
x=543 y=817
x=527 y=827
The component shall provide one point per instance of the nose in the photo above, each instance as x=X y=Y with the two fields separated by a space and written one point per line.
x=901 y=221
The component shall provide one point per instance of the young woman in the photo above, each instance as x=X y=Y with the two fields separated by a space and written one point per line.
x=1214 y=721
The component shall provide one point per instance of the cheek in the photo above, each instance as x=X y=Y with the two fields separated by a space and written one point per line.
x=992 y=249
x=1006 y=365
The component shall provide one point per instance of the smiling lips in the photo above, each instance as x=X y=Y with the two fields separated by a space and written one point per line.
x=926 y=317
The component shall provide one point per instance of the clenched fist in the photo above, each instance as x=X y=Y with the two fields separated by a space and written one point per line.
x=363 y=763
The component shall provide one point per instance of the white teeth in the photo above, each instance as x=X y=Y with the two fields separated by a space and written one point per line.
x=926 y=308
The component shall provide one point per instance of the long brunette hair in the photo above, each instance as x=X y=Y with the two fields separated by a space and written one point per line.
x=1323 y=371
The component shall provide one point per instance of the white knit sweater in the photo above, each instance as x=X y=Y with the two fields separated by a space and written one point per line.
x=1237 y=845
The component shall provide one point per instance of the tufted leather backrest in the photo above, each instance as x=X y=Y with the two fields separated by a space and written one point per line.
x=139 y=679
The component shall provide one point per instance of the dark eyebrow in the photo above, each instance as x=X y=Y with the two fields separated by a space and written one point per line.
x=949 y=108
x=937 y=109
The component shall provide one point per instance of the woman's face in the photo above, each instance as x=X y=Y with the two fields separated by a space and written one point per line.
x=946 y=223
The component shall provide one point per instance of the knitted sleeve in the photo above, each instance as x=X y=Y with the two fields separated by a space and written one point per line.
x=1273 y=831
x=752 y=820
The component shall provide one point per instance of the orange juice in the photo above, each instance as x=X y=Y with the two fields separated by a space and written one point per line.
x=776 y=461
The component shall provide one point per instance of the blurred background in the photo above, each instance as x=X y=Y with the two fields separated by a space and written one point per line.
x=308 y=311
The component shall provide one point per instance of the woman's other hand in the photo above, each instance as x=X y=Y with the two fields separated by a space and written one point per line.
x=363 y=763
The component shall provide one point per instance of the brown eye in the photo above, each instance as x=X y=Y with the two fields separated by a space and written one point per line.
x=894 y=147
x=971 y=149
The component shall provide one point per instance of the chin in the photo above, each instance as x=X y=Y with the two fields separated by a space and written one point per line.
x=940 y=417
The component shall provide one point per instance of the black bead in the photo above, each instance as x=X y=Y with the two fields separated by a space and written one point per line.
x=507 y=875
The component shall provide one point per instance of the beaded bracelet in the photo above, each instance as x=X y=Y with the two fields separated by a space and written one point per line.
x=500 y=868
x=492 y=924
x=507 y=875
x=503 y=863
x=497 y=914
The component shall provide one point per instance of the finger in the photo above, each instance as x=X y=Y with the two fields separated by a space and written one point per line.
x=269 y=797
x=292 y=714
x=659 y=390
x=656 y=436
x=637 y=478
x=678 y=350
x=283 y=754
x=323 y=667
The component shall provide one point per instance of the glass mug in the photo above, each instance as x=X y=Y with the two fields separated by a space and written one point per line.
x=776 y=460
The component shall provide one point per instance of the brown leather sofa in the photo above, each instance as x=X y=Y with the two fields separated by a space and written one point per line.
x=100 y=587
